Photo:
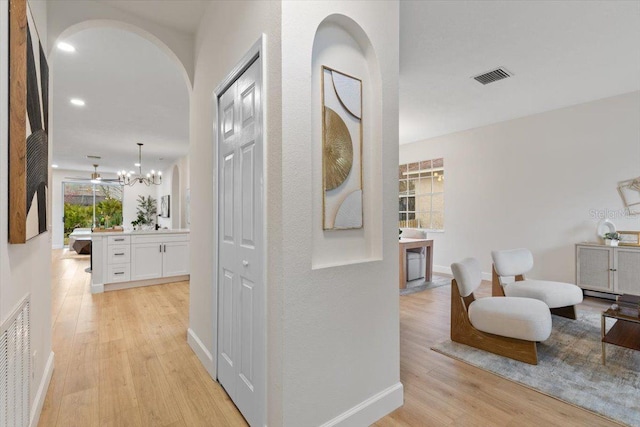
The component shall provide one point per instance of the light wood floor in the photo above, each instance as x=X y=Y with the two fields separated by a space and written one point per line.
x=122 y=360
x=440 y=391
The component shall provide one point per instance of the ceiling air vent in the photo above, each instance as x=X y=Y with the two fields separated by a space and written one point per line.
x=493 y=76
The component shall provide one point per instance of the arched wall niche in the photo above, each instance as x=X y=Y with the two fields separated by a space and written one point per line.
x=340 y=43
x=110 y=23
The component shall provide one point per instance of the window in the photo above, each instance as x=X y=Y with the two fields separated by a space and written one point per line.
x=91 y=205
x=421 y=195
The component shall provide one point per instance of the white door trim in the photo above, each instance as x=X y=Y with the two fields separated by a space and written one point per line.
x=256 y=51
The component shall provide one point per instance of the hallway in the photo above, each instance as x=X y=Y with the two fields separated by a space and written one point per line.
x=122 y=359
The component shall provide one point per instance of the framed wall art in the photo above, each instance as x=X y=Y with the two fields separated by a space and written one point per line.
x=630 y=193
x=164 y=206
x=341 y=150
x=28 y=126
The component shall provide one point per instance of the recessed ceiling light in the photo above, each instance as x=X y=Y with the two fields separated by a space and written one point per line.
x=54 y=166
x=66 y=47
x=78 y=102
x=132 y=172
x=137 y=165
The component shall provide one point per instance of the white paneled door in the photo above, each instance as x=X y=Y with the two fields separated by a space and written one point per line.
x=241 y=294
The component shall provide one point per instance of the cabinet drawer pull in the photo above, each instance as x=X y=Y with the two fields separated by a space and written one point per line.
x=119 y=272
x=118 y=240
x=122 y=253
x=160 y=248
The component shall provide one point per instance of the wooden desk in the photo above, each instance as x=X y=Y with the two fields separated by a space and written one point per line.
x=405 y=244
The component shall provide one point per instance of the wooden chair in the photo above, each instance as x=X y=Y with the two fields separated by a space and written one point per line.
x=504 y=326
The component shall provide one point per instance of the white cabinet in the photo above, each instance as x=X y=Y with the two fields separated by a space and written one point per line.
x=122 y=260
x=608 y=269
x=118 y=260
x=159 y=256
x=146 y=260
x=175 y=259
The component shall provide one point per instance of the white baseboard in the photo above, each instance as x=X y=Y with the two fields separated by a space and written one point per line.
x=441 y=269
x=201 y=351
x=97 y=288
x=371 y=410
x=36 y=409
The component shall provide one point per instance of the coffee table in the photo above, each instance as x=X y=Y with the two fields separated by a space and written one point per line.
x=625 y=332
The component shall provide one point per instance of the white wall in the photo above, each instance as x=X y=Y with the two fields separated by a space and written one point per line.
x=333 y=333
x=166 y=188
x=25 y=269
x=57 y=206
x=540 y=182
x=64 y=14
x=130 y=201
x=341 y=323
x=226 y=32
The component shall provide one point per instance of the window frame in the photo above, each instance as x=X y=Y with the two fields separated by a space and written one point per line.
x=410 y=188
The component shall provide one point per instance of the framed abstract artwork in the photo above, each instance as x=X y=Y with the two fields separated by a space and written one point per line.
x=164 y=206
x=28 y=126
x=341 y=150
x=630 y=193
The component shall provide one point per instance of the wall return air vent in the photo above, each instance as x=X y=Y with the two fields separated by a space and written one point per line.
x=493 y=76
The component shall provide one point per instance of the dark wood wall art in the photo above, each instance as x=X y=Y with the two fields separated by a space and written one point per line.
x=28 y=126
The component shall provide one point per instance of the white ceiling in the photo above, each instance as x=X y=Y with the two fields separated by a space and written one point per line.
x=181 y=15
x=561 y=53
x=133 y=92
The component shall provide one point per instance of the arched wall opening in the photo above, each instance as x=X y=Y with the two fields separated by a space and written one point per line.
x=108 y=23
x=126 y=147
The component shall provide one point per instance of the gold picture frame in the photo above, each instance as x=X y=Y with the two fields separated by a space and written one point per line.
x=629 y=238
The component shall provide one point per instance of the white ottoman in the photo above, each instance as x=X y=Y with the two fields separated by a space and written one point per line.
x=521 y=318
x=554 y=294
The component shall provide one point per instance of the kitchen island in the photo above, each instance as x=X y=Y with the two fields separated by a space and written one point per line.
x=124 y=260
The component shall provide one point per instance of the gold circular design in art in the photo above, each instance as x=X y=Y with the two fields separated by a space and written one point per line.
x=338 y=150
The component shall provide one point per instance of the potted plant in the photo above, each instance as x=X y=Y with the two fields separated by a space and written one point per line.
x=147 y=211
x=611 y=239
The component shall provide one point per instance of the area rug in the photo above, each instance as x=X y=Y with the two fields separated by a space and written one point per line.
x=420 y=285
x=570 y=368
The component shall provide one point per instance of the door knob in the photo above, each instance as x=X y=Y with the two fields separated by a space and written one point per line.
x=245 y=263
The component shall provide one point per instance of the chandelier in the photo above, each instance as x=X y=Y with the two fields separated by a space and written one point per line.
x=126 y=178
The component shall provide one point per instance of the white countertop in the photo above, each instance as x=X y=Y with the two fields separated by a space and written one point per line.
x=141 y=232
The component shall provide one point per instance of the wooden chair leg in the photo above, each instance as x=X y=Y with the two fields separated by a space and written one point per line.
x=569 y=312
x=462 y=331
x=496 y=287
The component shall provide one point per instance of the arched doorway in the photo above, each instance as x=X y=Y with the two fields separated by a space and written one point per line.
x=135 y=90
